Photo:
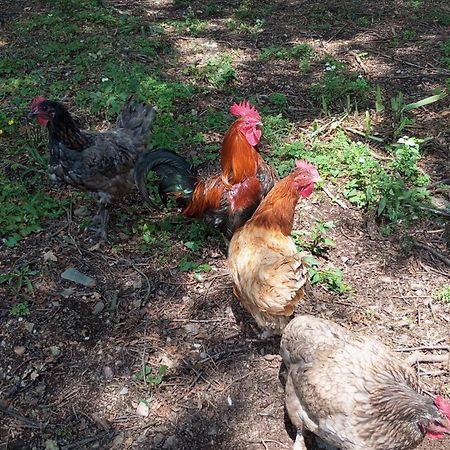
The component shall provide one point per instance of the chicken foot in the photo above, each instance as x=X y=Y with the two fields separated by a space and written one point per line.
x=102 y=219
x=299 y=443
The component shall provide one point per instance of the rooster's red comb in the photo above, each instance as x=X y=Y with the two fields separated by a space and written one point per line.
x=37 y=100
x=443 y=405
x=245 y=109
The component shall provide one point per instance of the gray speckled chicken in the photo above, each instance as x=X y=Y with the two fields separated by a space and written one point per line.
x=99 y=162
x=354 y=392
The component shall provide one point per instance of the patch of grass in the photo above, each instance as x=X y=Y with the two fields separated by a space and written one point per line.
x=23 y=210
x=217 y=72
x=439 y=17
x=443 y=294
x=190 y=24
x=339 y=86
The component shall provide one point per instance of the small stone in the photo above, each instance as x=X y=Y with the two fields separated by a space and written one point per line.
x=142 y=409
x=19 y=350
x=159 y=437
x=50 y=256
x=81 y=211
x=123 y=391
x=386 y=279
x=137 y=284
x=108 y=372
x=29 y=326
x=72 y=274
x=98 y=308
x=416 y=286
x=171 y=442
x=55 y=350
x=118 y=441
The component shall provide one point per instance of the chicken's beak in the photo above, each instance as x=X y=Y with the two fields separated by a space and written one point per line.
x=33 y=113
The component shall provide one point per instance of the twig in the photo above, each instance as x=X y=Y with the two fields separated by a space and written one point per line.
x=358 y=60
x=428 y=268
x=337 y=32
x=12 y=413
x=367 y=136
x=83 y=442
x=440 y=71
x=439 y=212
x=444 y=181
x=421 y=357
x=221 y=319
x=423 y=347
x=333 y=198
x=433 y=251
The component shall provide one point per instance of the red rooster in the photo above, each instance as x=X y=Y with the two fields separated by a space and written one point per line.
x=225 y=201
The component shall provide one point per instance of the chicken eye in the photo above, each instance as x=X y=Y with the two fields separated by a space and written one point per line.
x=44 y=108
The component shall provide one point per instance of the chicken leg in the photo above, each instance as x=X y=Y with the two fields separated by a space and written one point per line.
x=102 y=219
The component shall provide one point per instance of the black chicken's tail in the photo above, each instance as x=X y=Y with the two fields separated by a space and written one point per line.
x=176 y=176
x=137 y=117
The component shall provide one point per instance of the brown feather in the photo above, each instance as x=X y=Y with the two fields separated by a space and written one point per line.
x=207 y=195
x=275 y=214
x=239 y=160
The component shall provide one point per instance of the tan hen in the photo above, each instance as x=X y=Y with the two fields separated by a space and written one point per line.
x=354 y=392
x=268 y=272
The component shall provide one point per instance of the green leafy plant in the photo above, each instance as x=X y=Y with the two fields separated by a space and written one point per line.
x=19 y=310
x=330 y=278
x=443 y=294
x=340 y=85
x=22 y=211
x=218 y=71
x=316 y=240
x=19 y=278
x=154 y=379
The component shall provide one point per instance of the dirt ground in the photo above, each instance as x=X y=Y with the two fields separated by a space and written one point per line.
x=67 y=369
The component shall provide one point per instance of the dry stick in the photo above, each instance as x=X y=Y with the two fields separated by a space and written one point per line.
x=441 y=72
x=12 y=413
x=423 y=347
x=421 y=357
x=433 y=251
x=439 y=212
x=333 y=198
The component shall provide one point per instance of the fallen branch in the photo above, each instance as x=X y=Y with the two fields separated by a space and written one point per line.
x=433 y=251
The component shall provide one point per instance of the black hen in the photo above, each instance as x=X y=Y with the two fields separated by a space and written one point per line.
x=99 y=162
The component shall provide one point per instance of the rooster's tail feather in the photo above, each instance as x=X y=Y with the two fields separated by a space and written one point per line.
x=177 y=177
x=137 y=117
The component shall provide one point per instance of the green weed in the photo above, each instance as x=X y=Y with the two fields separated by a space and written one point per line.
x=218 y=71
x=19 y=310
x=19 y=278
x=331 y=279
x=443 y=294
x=340 y=85
x=22 y=211
x=150 y=378
x=445 y=49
